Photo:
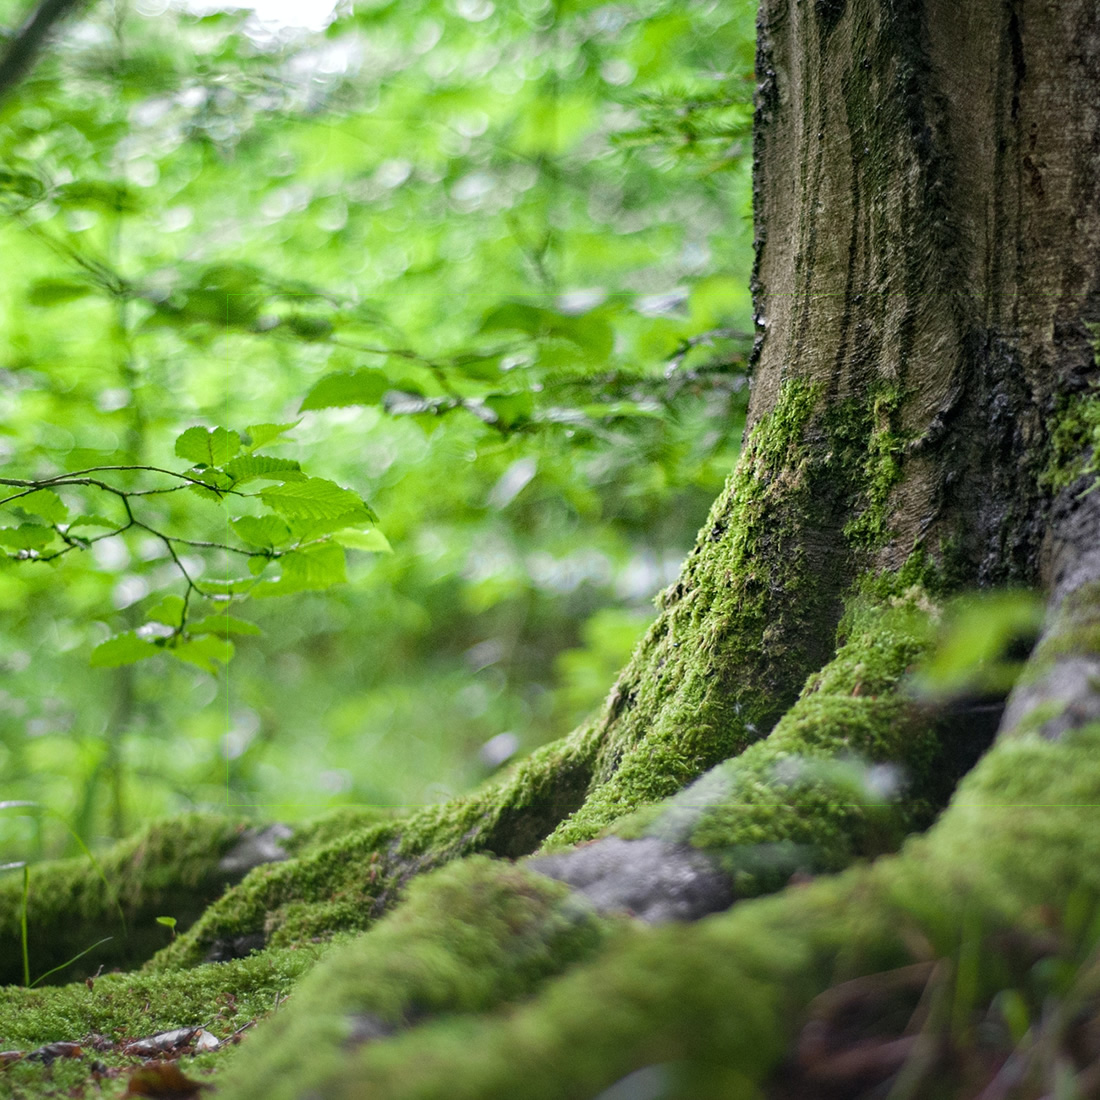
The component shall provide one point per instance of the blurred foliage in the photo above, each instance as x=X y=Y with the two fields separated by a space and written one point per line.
x=481 y=266
x=983 y=640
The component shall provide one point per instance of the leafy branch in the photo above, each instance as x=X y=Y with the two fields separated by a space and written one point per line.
x=305 y=524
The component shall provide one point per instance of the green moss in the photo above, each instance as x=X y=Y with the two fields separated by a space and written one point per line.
x=721 y=999
x=169 y=869
x=220 y=996
x=346 y=883
x=872 y=426
x=729 y=649
x=1076 y=630
x=845 y=774
x=1074 y=442
x=313 y=835
x=1075 y=438
x=469 y=937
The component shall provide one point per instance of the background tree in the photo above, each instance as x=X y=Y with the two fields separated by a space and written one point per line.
x=923 y=419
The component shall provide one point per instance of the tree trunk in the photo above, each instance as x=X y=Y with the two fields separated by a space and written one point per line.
x=927 y=286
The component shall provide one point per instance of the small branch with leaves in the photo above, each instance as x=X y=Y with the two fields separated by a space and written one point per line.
x=303 y=523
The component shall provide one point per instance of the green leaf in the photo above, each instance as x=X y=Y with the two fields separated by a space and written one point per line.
x=315 y=567
x=20 y=183
x=355 y=387
x=257 y=563
x=312 y=568
x=314 y=498
x=590 y=332
x=248 y=467
x=208 y=446
x=309 y=326
x=510 y=409
x=90 y=521
x=55 y=292
x=43 y=502
x=514 y=317
x=305 y=530
x=224 y=587
x=372 y=539
x=223 y=625
x=105 y=194
x=204 y=651
x=27 y=536
x=482 y=368
x=123 y=649
x=266 y=531
x=259 y=434
x=220 y=294
x=169 y=611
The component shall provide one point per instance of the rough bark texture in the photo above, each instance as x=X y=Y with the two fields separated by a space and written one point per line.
x=925 y=418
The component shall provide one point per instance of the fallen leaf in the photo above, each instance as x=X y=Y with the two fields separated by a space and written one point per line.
x=162 y=1081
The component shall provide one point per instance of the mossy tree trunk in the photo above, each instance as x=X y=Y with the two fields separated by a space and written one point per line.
x=924 y=412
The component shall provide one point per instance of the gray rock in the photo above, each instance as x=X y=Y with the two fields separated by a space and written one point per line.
x=649 y=878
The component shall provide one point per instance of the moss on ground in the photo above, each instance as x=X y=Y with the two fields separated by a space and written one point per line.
x=168 y=869
x=222 y=998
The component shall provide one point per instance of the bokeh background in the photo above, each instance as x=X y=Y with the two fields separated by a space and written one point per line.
x=533 y=217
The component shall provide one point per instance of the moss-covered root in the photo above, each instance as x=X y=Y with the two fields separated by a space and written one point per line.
x=713 y=1004
x=169 y=869
x=753 y=613
x=848 y=772
x=345 y=881
x=468 y=937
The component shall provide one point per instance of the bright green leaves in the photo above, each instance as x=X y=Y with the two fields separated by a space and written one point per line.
x=510 y=409
x=263 y=532
x=314 y=498
x=55 y=292
x=44 y=503
x=590 y=333
x=30 y=539
x=314 y=568
x=359 y=387
x=203 y=651
x=123 y=649
x=225 y=295
x=27 y=536
x=261 y=434
x=169 y=612
x=223 y=625
x=372 y=540
x=248 y=467
x=304 y=533
x=106 y=195
x=208 y=446
x=212 y=450
x=204 y=643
